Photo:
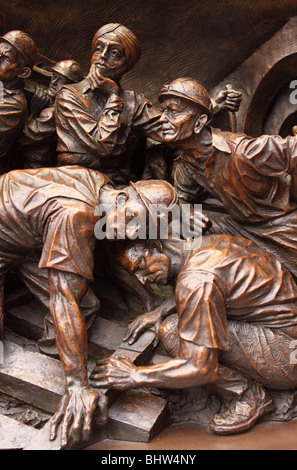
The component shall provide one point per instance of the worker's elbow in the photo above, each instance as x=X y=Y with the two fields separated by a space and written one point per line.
x=210 y=372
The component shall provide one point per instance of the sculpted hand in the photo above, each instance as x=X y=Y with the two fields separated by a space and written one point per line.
x=114 y=372
x=76 y=412
x=199 y=222
x=106 y=85
x=142 y=323
x=39 y=101
x=229 y=99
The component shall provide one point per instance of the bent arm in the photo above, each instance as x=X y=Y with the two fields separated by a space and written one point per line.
x=98 y=136
x=79 y=402
x=66 y=292
x=40 y=128
x=196 y=365
x=270 y=155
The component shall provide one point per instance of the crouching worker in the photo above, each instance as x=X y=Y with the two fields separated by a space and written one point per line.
x=234 y=329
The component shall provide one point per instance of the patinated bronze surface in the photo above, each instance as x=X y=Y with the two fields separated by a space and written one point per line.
x=214 y=318
x=18 y=54
x=39 y=138
x=236 y=319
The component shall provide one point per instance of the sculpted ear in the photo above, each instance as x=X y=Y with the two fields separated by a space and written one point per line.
x=200 y=123
x=25 y=73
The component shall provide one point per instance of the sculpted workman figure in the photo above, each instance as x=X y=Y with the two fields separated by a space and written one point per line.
x=235 y=325
x=17 y=56
x=98 y=121
x=52 y=211
x=246 y=174
x=39 y=138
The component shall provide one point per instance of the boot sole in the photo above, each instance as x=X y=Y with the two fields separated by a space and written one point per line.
x=245 y=425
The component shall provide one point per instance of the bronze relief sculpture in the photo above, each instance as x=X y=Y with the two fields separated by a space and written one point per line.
x=231 y=320
x=53 y=217
x=39 y=138
x=18 y=54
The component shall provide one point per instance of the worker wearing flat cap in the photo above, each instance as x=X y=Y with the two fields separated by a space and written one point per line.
x=17 y=56
x=97 y=121
x=39 y=137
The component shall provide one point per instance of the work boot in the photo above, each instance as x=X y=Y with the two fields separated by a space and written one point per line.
x=243 y=411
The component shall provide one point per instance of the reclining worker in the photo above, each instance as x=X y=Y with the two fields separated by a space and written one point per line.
x=51 y=212
x=236 y=321
x=246 y=174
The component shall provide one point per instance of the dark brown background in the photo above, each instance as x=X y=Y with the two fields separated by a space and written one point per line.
x=205 y=39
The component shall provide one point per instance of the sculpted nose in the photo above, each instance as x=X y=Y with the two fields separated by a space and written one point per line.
x=103 y=54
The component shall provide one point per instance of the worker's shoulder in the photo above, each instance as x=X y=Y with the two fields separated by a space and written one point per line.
x=74 y=89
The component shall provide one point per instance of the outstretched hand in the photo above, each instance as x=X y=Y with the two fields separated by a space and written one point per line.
x=75 y=413
x=141 y=324
x=117 y=372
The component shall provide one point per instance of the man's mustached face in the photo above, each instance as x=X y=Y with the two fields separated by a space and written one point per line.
x=109 y=58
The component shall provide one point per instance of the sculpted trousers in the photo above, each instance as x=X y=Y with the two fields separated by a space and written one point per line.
x=257 y=353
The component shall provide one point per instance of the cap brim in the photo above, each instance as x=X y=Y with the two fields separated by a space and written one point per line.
x=146 y=204
x=168 y=94
x=3 y=39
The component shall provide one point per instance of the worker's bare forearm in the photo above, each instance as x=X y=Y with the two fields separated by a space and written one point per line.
x=66 y=292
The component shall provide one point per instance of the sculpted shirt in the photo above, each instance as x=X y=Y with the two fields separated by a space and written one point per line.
x=248 y=175
x=230 y=278
x=13 y=109
x=51 y=210
x=99 y=132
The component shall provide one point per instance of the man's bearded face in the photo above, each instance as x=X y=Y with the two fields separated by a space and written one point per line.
x=178 y=119
x=109 y=58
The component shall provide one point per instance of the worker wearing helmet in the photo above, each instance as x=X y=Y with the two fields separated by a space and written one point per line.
x=50 y=212
x=245 y=174
x=39 y=139
x=17 y=56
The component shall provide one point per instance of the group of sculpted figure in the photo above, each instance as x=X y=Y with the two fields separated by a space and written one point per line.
x=232 y=319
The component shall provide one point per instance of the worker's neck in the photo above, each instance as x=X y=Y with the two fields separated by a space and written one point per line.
x=197 y=142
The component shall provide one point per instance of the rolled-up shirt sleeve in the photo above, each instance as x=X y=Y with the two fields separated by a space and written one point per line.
x=270 y=155
x=201 y=304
